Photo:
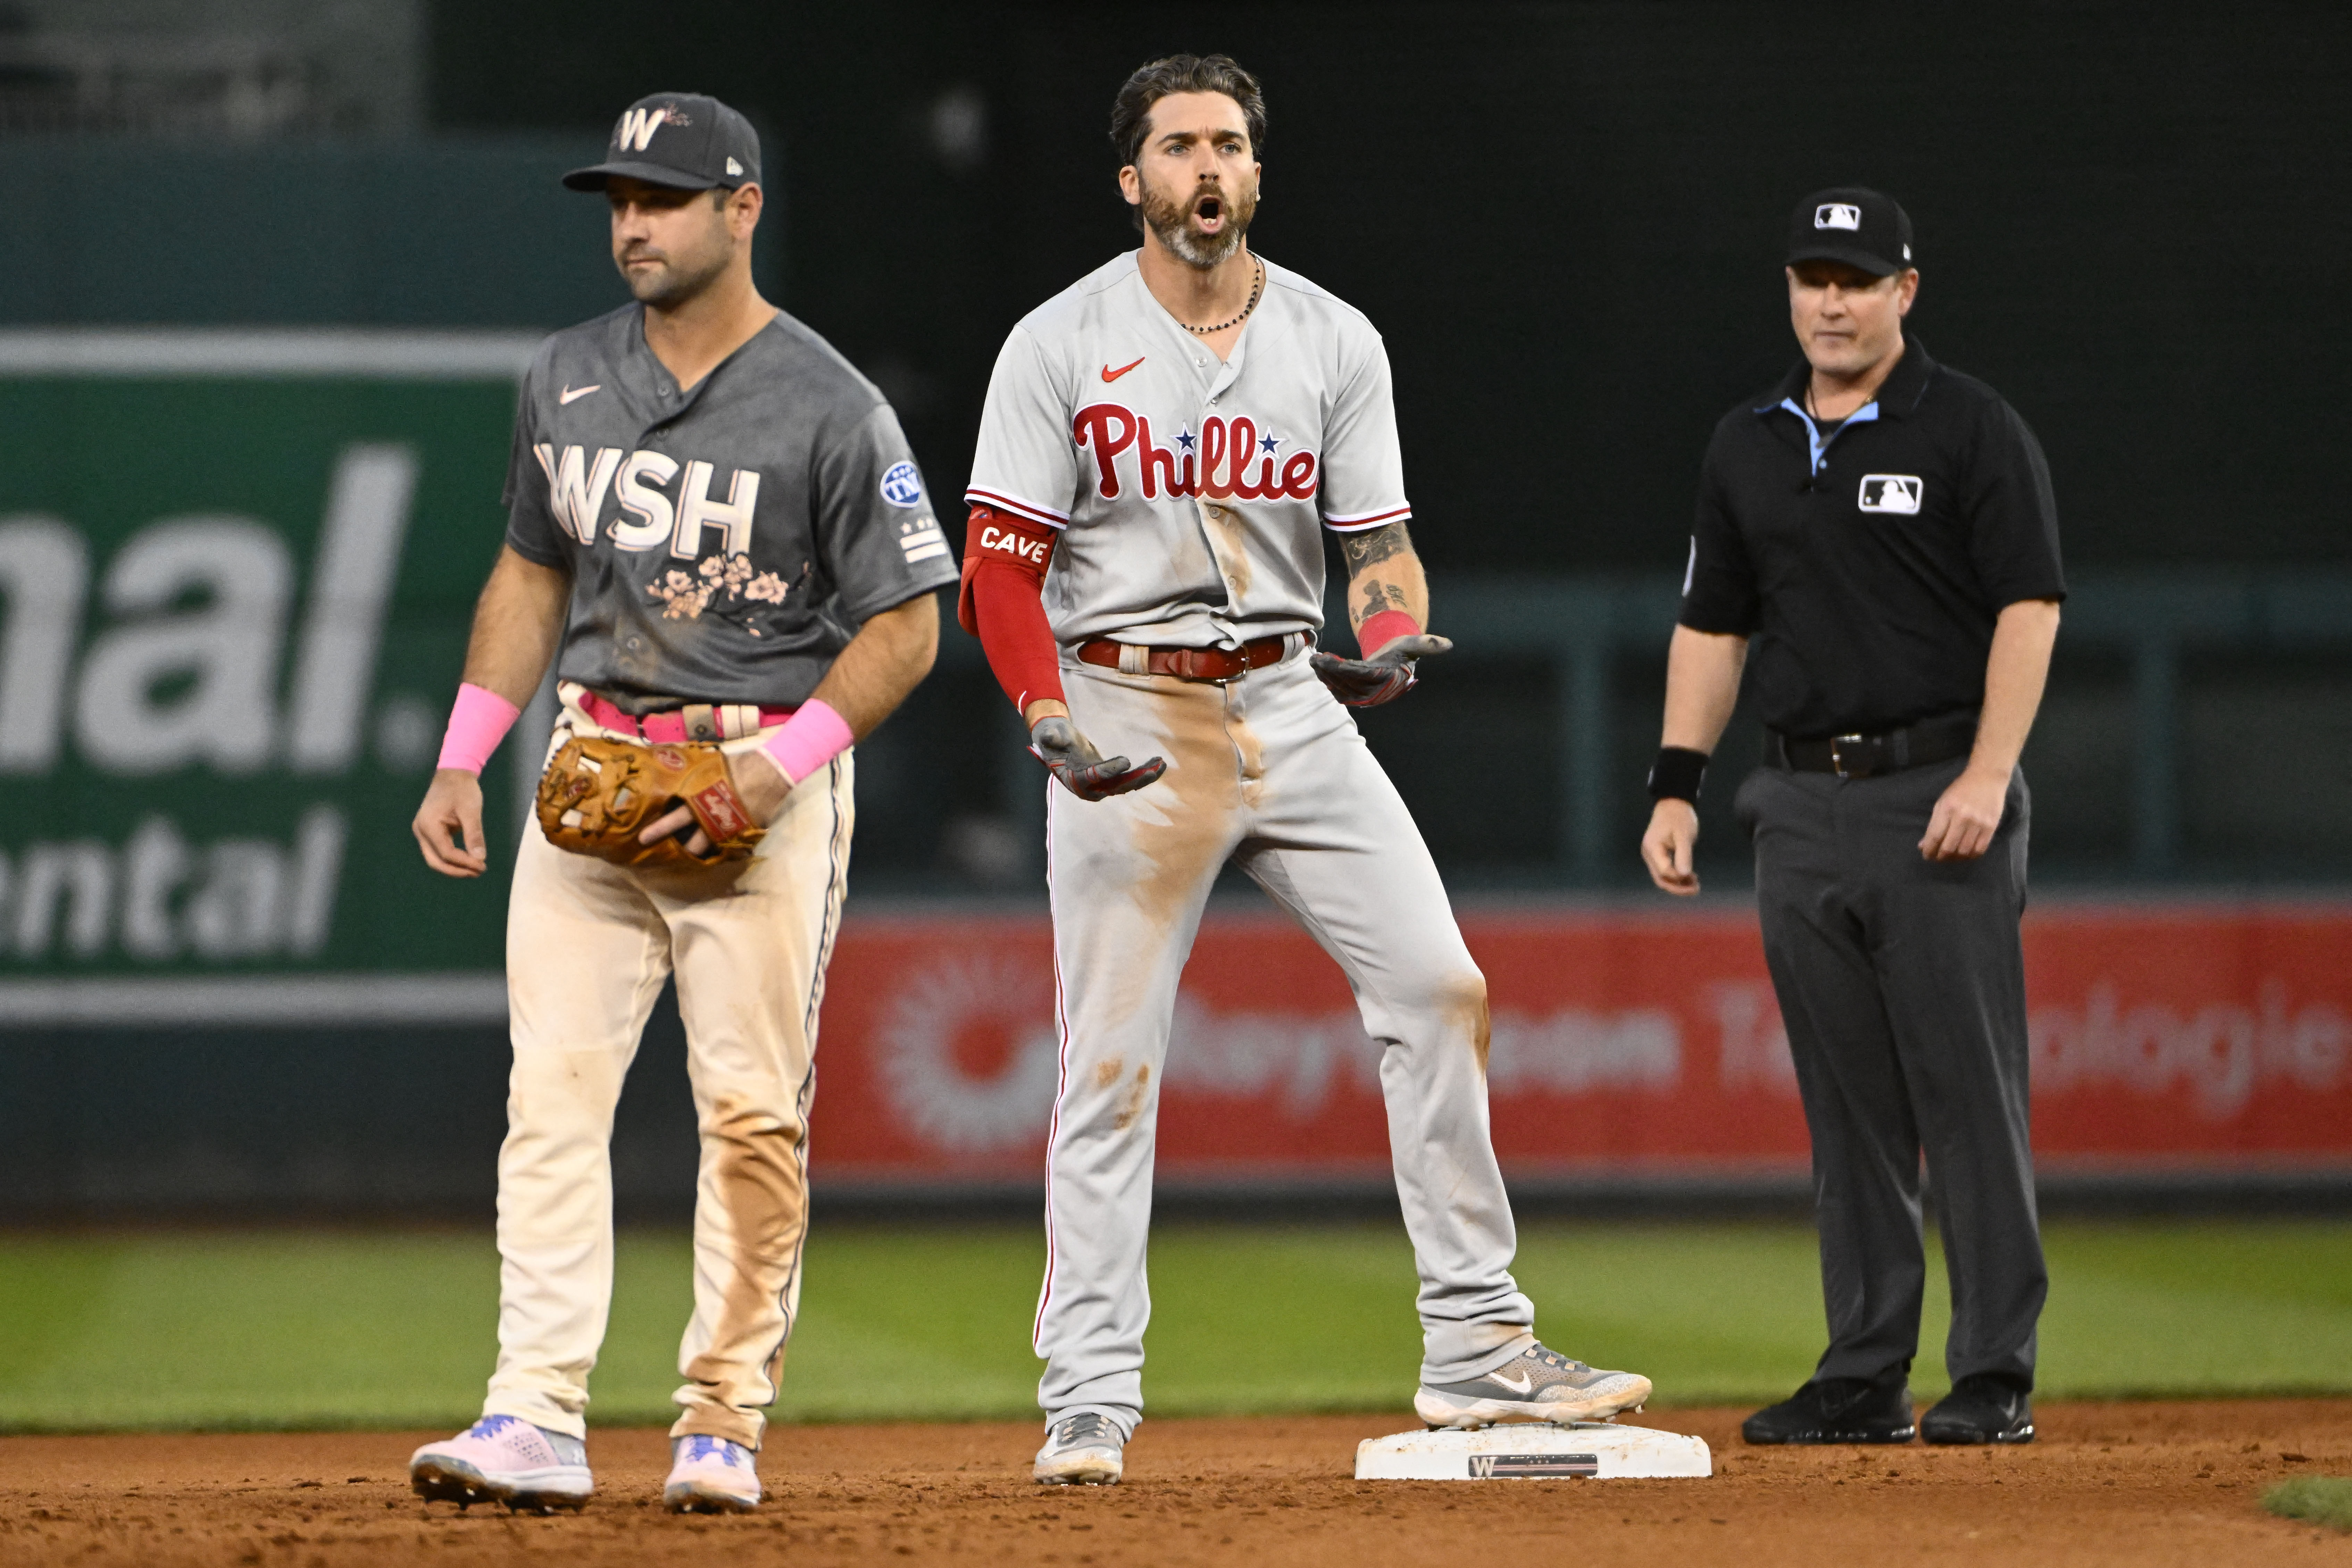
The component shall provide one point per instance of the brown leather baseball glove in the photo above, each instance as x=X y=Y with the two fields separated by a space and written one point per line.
x=597 y=795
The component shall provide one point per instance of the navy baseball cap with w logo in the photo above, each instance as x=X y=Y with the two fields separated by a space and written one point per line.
x=1852 y=224
x=682 y=140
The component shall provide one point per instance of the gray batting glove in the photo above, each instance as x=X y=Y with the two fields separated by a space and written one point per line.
x=1087 y=773
x=1383 y=678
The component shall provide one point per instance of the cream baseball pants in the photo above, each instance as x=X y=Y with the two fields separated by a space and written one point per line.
x=588 y=945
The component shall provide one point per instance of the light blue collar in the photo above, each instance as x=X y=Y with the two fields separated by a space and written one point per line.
x=1867 y=411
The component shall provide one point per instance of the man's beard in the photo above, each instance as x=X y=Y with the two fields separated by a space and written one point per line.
x=1171 y=220
x=673 y=285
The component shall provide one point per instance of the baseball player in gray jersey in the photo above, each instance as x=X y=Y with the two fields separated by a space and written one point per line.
x=1162 y=445
x=715 y=527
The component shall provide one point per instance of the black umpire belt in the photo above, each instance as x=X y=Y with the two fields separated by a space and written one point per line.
x=1880 y=752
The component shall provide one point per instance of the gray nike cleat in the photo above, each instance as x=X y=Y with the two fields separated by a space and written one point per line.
x=1537 y=1385
x=1081 y=1449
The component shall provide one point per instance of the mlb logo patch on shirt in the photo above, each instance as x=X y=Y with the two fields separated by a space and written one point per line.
x=1891 y=492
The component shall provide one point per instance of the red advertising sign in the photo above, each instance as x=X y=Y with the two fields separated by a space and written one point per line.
x=1624 y=1045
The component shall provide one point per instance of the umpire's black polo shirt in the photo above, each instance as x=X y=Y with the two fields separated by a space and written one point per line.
x=1867 y=569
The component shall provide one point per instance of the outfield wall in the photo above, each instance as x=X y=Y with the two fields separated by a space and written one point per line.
x=1623 y=1044
x=1633 y=1052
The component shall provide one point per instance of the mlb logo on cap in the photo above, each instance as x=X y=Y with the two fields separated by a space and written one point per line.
x=1852 y=224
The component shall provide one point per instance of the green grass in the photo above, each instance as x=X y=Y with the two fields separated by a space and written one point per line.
x=322 y=1329
x=2321 y=1499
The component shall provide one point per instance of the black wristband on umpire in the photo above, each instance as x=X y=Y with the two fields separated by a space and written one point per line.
x=1677 y=774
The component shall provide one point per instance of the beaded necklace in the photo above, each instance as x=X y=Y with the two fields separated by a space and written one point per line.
x=1255 y=289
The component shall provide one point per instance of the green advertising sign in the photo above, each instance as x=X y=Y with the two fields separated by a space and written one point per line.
x=236 y=571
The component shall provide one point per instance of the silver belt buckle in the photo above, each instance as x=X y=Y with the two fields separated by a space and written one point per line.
x=1837 y=757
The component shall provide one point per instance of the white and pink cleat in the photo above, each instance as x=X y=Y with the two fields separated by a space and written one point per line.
x=504 y=1458
x=710 y=1474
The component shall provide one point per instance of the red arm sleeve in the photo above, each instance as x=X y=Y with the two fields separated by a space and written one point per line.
x=1002 y=602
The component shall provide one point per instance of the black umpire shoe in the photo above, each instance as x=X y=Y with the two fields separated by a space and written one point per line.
x=1836 y=1410
x=1981 y=1408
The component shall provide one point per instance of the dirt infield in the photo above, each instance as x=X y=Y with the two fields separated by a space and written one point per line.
x=2139 y=1484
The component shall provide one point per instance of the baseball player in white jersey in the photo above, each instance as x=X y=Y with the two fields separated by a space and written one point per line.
x=1162 y=445
x=718 y=522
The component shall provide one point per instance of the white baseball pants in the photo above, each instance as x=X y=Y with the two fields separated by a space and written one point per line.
x=1267 y=769
x=588 y=945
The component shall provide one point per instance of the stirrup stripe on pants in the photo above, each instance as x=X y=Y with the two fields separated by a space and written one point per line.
x=1061 y=1084
x=837 y=890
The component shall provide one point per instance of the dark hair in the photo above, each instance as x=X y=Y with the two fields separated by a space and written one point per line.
x=1131 y=112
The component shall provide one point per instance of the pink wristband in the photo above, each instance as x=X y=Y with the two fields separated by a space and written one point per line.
x=811 y=738
x=1383 y=629
x=478 y=722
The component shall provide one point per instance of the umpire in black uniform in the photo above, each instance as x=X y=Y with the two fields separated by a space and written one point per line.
x=1880 y=529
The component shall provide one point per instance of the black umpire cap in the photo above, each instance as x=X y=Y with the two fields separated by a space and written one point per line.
x=682 y=140
x=1852 y=224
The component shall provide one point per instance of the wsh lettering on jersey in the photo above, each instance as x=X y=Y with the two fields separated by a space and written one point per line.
x=1228 y=459
x=577 y=485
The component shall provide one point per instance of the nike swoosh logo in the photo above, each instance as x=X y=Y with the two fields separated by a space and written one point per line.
x=1525 y=1385
x=573 y=394
x=1110 y=375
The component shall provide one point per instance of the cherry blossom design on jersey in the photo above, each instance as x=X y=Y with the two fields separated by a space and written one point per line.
x=725 y=587
x=1229 y=459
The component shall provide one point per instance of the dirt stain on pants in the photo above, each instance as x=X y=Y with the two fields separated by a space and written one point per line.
x=590 y=945
x=753 y=1178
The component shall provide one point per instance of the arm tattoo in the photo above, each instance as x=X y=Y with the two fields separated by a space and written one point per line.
x=1373 y=545
x=1378 y=596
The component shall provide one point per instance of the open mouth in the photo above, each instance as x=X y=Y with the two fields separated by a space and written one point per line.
x=1210 y=213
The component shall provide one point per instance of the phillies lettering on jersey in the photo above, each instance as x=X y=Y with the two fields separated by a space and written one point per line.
x=576 y=486
x=1190 y=506
x=1225 y=449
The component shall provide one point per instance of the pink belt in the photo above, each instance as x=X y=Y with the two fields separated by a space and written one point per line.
x=694 y=721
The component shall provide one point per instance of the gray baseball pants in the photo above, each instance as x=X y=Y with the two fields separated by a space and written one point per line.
x=1901 y=982
x=1267 y=769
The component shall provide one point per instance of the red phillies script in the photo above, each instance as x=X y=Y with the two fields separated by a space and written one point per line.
x=1215 y=463
x=2162 y=1038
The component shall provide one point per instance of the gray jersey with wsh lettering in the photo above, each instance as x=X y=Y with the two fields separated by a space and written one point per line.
x=725 y=543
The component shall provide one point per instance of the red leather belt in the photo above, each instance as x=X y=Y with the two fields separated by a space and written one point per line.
x=694 y=721
x=1184 y=663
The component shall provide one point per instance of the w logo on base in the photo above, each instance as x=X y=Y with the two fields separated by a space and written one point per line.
x=1531 y=1467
